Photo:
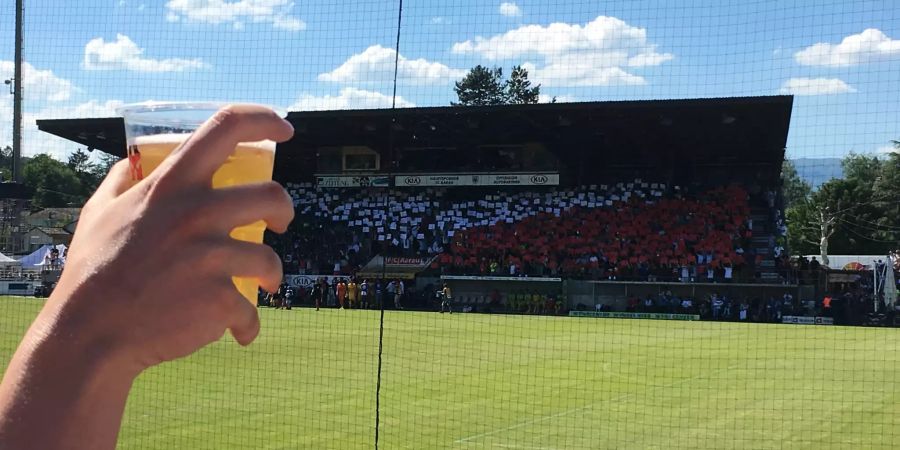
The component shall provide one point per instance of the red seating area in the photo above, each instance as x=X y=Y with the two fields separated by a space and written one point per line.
x=610 y=242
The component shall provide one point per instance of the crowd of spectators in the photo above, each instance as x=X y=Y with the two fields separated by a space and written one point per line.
x=637 y=230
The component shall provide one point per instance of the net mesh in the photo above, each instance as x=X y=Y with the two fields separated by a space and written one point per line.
x=509 y=368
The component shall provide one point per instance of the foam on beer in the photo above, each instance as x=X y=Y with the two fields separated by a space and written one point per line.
x=168 y=139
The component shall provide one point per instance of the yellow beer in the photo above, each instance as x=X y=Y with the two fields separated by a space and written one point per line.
x=251 y=162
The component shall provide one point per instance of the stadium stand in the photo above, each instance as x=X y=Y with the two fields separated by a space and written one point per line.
x=635 y=230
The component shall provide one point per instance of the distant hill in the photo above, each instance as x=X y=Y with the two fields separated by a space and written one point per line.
x=817 y=171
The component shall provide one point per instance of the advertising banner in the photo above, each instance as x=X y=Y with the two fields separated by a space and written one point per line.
x=808 y=320
x=352 y=181
x=307 y=281
x=514 y=179
x=627 y=315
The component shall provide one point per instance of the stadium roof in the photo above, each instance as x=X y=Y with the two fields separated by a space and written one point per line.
x=744 y=131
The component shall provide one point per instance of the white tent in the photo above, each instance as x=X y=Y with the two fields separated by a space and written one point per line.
x=838 y=262
x=7 y=261
x=37 y=258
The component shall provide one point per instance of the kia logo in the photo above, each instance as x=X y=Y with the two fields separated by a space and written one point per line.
x=413 y=180
x=539 y=179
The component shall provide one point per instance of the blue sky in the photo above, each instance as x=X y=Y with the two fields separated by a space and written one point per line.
x=840 y=58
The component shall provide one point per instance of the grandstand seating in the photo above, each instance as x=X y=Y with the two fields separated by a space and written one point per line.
x=627 y=230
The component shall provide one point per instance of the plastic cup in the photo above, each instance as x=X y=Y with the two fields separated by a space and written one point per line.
x=154 y=129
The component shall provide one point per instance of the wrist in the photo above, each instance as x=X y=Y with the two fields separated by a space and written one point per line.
x=74 y=324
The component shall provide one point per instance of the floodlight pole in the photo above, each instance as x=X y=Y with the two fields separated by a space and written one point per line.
x=17 y=97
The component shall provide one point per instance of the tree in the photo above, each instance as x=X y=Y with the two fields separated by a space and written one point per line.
x=480 y=87
x=6 y=163
x=483 y=86
x=86 y=171
x=794 y=188
x=54 y=183
x=518 y=88
x=105 y=164
x=858 y=214
x=861 y=167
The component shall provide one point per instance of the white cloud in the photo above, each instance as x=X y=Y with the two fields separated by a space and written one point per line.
x=39 y=84
x=593 y=54
x=510 y=9
x=47 y=97
x=544 y=98
x=868 y=46
x=376 y=63
x=815 y=86
x=124 y=54
x=884 y=150
x=275 y=12
x=349 y=98
x=437 y=20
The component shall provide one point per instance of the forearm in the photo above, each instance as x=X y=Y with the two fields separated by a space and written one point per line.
x=61 y=390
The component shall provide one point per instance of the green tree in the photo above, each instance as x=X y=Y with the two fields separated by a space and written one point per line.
x=854 y=215
x=54 y=183
x=518 y=88
x=6 y=163
x=106 y=161
x=86 y=171
x=484 y=86
x=794 y=188
x=480 y=87
x=861 y=167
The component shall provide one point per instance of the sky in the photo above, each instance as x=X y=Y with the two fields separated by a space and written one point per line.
x=840 y=58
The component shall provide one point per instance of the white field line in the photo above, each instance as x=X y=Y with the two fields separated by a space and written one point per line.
x=526 y=447
x=588 y=406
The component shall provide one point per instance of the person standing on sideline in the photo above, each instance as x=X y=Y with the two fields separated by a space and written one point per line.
x=364 y=294
x=398 y=293
x=331 y=296
x=317 y=293
x=446 y=299
x=341 y=289
x=379 y=294
x=353 y=293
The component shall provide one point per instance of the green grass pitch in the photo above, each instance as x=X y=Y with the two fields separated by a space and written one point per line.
x=471 y=381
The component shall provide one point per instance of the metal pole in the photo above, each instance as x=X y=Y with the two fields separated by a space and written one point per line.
x=17 y=97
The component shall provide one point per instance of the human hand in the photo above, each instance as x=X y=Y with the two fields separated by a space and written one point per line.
x=148 y=278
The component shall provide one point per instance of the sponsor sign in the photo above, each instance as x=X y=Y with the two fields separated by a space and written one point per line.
x=307 y=281
x=489 y=278
x=399 y=261
x=627 y=315
x=353 y=181
x=513 y=179
x=386 y=275
x=807 y=320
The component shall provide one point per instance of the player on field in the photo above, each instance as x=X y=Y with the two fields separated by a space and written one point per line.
x=317 y=293
x=341 y=291
x=398 y=293
x=446 y=299
x=353 y=293
x=288 y=296
x=364 y=294
x=379 y=294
